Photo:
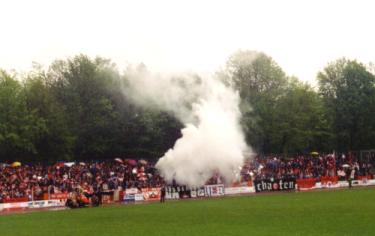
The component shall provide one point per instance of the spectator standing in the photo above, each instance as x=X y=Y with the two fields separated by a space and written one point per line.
x=162 y=194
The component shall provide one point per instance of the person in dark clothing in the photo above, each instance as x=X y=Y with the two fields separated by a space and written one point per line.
x=350 y=176
x=162 y=194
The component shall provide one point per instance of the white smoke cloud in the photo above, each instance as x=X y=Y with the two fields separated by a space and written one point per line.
x=212 y=140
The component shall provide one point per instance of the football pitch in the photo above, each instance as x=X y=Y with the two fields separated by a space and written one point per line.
x=338 y=212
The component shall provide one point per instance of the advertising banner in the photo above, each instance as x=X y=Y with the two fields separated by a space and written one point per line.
x=305 y=184
x=151 y=194
x=56 y=203
x=214 y=190
x=32 y=205
x=107 y=197
x=238 y=190
x=14 y=205
x=365 y=181
x=177 y=192
x=55 y=196
x=129 y=198
x=37 y=204
x=130 y=193
x=171 y=193
x=11 y=200
x=184 y=192
x=242 y=184
x=274 y=184
x=197 y=192
x=139 y=197
x=368 y=177
x=329 y=182
x=343 y=184
x=46 y=203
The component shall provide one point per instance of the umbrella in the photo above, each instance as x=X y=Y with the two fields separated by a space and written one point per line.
x=59 y=164
x=143 y=162
x=119 y=160
x=132 y=162
x=69 y=164
x=314 y=153
x=16 y=164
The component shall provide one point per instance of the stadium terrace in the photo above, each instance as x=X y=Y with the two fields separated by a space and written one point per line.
x=127 y=178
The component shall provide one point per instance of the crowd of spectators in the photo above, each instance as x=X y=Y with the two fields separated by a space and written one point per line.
x=306 y=166
x=32 y=181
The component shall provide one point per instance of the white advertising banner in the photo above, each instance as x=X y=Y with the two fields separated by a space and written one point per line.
x=214 y=190
x=132 y=191
x=32 y=205
x=239 y=190
x=138 y=197
x=197 y=192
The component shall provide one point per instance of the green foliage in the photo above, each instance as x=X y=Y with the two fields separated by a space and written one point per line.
x=57 y=142
x=348 y=89
x=19 y=126
x=300 y=124
x=102 y=120
x=260 y=82
x=280 y=114
x=78 y=109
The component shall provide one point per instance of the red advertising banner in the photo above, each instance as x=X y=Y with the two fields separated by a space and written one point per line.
x=11 y=200
x=329 y=180
x=55 y=196
x=364 y=177
x=107 y=199
x=151 y=194
x=306 y=183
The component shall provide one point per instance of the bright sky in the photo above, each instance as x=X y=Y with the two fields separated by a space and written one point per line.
x=192 y=35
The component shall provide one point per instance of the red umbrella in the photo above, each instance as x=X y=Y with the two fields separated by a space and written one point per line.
x=60 y=164
x=132 y=162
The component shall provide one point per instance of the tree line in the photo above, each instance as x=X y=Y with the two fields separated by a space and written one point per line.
x=76 y=109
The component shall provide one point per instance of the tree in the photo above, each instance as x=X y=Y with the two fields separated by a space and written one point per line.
x=152 y=131
x=57 y=142
x=349 y=94
x=260 y=82
x=19 y=127
x=83 y=87
x=102 y=121
x=301 y=125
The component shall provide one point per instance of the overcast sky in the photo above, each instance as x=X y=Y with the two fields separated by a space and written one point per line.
x=193 y=35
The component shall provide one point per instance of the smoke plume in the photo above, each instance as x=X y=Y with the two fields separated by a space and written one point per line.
x=212 y=139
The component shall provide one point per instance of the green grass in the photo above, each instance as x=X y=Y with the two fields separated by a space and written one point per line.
x=340 y=212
